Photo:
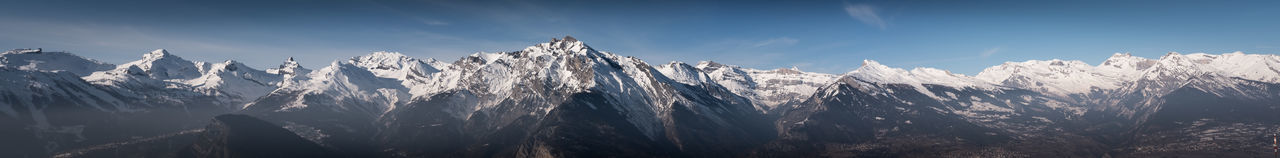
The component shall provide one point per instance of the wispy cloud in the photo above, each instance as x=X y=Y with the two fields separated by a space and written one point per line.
x=990 y=52
x=434 y=22
x=781 y=41
x=866 y=14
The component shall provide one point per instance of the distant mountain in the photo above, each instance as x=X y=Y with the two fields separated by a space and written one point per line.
x=877 y=111
x=339 y=104
x=64 y=110
x=564 y=98
x=768 y=89
x=165 y=77
x=38 y=59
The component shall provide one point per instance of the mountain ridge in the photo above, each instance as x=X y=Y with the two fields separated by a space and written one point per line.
x=535 y=101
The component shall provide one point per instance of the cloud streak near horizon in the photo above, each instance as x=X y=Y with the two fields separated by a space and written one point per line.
x=990 y=52
x=866 y=14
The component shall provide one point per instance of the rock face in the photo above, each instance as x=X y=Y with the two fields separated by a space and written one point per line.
x=565 y=99
x=864 y=118
x=770 y=90
x=242 y=136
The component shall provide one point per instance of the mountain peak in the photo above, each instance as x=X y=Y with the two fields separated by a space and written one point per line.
x=230 y=62
x=382 y=60
x=871 y=63
x=1121 y=55
x=1170 y=54
x=233 y=65
x=24 y=51
x=566 y=46
x=567 y=42
x=158 y=53
x=866 y=62
x=382 y=55
x=290 y=64
x=676 y=63
x=708 y=63
x=1126 y=61
x=566 y=38
x=873 y=67
x=872 y=71
x=160 y=64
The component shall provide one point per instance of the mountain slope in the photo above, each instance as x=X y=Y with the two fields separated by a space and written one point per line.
x=770 y=90
x=338 y=105
x=64 y=110
x=27 y=59
x=879 y=111
x=537 y=102
x=243 y=135
x=566 y=99
x=161 y=77
x=52 y=109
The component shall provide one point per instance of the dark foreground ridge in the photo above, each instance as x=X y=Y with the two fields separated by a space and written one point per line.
x=243 y=136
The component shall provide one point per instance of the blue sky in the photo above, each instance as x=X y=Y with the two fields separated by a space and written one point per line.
x=822 y=36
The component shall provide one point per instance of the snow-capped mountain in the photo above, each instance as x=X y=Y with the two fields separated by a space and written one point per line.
x=235 y=82
x=542 y=99
x=873 y=72
x=69 y=101
x=37 y=59
x=877 y=110
x=370 y=84
x=1056 y=77
x=1076 y=77
x=564 y=98
x=350 y=94
x=165 y=77
x=1170 y=104
x=768 y=89
x=1227 y=75
x=290 y=73
x=1123 y=81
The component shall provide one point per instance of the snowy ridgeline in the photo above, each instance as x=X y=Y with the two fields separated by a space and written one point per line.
x=388 y=77
x=504 y=86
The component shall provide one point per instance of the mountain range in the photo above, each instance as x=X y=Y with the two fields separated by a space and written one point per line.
x=564 y=98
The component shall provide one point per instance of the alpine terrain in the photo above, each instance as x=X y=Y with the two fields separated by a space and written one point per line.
x=564 y=98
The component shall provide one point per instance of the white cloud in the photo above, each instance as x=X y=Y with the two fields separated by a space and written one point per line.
x=782 y=41
x=865 y=13
x=434 y=22
x=990 y=52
